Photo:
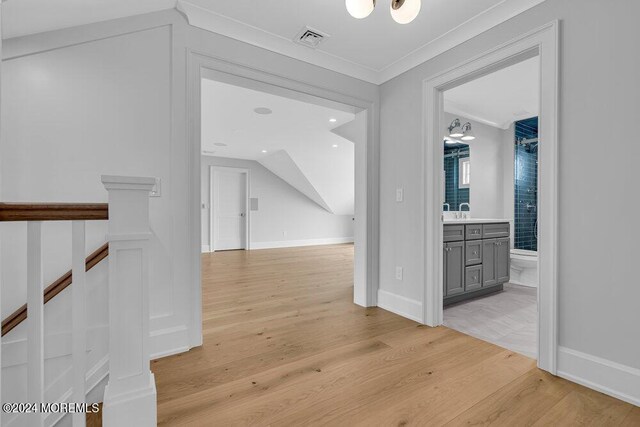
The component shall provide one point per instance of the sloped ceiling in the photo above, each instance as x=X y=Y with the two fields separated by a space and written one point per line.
x=295 y=141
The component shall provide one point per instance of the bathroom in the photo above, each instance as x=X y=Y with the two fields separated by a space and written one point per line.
x=490 y=207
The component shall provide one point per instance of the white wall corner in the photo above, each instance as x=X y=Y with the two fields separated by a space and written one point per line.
x=605 y=376
x=402 y=306
x=206 y=249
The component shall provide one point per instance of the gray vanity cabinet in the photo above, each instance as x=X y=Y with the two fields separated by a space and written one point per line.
x=503 y=259
x=476 y=260
x=454 y=276
x=489 y=277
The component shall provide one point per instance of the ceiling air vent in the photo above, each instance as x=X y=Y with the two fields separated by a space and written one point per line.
x=310 y=37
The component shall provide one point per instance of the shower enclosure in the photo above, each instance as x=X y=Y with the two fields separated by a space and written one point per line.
x=526 y=185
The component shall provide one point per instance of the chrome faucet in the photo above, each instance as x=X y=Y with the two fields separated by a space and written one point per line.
x=447 y=205
x=462 y=214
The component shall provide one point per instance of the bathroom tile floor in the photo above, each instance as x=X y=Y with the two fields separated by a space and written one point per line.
x=507 y=319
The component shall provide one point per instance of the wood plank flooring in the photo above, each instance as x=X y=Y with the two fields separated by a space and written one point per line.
x=285 y=346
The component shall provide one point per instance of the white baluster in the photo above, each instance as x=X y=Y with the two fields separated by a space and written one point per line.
x=130 y=395
x=79 y=319
x=35 y=319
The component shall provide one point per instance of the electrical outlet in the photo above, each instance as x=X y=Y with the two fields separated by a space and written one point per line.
x=399 y=194
x=399 y=273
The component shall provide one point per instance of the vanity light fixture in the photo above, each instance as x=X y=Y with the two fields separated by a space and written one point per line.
x=402 y=11
x=455 y=129
x=467 y=133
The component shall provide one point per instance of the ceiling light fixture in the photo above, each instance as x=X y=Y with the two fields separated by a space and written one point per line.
x=335 y=145
x=264 y=151
x=467 y=133
x=402 y=11
x=262 y=110
x=360 y=9
x=455 y=129
x=332 y=120
x=405 y=11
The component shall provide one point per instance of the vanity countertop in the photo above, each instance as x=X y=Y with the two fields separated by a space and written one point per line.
x=475 y=221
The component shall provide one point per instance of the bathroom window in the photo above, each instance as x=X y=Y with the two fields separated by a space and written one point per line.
x=464 y=179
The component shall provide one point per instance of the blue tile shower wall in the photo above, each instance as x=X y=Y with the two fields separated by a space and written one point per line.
x=453 y=195
x=526 y=185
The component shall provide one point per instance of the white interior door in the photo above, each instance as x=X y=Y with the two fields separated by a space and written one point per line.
x=229 y=209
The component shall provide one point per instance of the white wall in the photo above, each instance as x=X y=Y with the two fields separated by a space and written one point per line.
x=285 y=217
x=486 y=192
x=598 y=285
x=111 y=98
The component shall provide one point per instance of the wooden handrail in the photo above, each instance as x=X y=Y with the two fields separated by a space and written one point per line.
x=54 y=289
x=53 y=211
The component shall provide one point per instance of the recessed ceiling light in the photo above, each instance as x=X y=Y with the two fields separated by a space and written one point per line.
x=335 y=145
x=332 y=120
x=264 y=151
x=219 y=144
x=262 y=110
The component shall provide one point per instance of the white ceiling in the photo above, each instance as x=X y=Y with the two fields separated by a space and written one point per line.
x=374 y=49
x=296 y=131
x=500 y=98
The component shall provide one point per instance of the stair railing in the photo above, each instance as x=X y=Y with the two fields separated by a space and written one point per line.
x=130 y=394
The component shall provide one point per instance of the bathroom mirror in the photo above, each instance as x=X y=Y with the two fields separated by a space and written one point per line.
x=457 y=176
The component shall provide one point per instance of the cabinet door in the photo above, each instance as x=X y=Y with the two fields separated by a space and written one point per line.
x=473 y=252
x=454 y=268
x=503 y=258
x=444 y=272
x=489 y=277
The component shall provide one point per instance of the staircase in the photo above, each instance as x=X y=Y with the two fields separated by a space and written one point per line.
x=130 y=394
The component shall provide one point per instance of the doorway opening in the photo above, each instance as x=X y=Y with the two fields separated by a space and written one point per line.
x=468 y=248
x=490 y=266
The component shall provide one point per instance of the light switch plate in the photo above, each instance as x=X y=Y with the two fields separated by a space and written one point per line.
x=399 y=273
x=399 y=194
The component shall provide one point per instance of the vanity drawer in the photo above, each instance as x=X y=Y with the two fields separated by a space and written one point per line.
x=473 y=278
x=491 y=231
x=473 y=231
x=453 y=233
x=473 y=252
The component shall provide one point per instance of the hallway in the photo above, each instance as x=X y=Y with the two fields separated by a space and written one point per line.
x=285 y=345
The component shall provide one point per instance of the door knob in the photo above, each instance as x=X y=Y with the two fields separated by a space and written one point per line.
x=242 y=214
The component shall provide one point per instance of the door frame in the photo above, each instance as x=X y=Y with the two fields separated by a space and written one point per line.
x=366 y=231
x=542 y=42
x=247 y=222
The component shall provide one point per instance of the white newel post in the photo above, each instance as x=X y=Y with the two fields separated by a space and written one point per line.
x=130 y=395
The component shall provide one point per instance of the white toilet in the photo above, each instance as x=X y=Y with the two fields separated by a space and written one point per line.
x=524 y=267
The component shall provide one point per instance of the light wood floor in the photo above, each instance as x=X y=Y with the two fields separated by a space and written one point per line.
x=285 y=346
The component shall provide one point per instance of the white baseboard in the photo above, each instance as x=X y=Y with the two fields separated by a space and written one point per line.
x=298 y=243
x=169 y=341
x=605 y=376
x=402 y=306
x=206 y=249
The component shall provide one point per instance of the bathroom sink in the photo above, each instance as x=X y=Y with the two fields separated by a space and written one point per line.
x=474 y=220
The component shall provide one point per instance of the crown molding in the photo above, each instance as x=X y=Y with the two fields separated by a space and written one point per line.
x=214 y=22
x=467 y=30
x=205 y=19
